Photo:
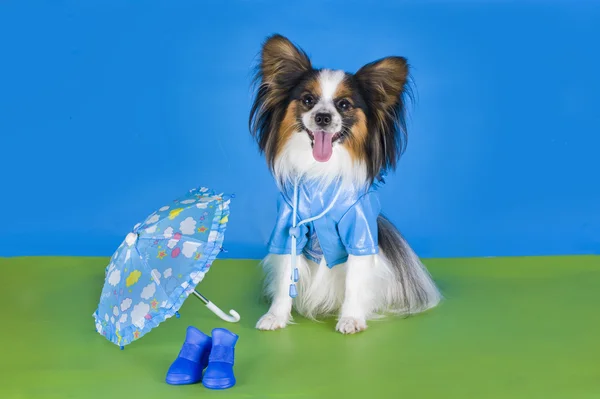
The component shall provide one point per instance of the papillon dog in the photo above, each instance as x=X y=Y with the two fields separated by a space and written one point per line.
x=328 y=137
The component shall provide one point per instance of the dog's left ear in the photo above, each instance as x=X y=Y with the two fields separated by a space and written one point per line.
x=383 y=84
x=384 y=80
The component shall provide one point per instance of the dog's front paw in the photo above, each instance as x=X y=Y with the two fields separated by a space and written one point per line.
x=271 y=322
x=351 y=325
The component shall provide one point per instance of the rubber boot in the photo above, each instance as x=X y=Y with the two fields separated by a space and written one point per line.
x=219 y=373
x=192 y=359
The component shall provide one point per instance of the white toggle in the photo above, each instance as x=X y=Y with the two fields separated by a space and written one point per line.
x=131 y=239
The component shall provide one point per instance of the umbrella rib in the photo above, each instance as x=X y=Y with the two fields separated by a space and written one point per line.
x=218 y=214
x=187 y=238
x=207 y=248
x=150 y=271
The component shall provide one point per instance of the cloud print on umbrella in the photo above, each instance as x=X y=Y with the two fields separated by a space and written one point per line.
x=188 y=226
x=148 y=291
x=138 y=314
x=189 y=248
x=126 y=304
x=115 y=277
x=153 y=219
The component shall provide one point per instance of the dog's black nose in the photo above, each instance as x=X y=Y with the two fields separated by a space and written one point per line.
x=323 y=119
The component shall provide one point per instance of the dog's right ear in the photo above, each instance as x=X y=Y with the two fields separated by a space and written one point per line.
x=281 y=67
x=282 y=63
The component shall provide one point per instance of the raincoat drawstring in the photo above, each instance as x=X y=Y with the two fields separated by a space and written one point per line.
x=295 y=232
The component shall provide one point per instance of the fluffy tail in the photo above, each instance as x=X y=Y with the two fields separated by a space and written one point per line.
x=413 y=290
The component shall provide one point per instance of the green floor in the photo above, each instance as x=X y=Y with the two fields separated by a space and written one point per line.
x=509 y=328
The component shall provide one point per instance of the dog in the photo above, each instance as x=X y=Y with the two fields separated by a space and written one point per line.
x=329 y=137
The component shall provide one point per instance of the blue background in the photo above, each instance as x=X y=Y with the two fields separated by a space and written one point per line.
x=110 y=109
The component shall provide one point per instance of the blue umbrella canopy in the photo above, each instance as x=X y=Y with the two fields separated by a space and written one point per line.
x=160 y=263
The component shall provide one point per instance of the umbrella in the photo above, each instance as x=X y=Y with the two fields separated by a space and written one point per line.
x=159 y=264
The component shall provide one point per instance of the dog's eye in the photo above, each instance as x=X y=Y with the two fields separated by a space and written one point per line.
x=344 y=104
x=308 y=100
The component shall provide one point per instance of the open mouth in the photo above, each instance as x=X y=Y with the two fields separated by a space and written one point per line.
x=322 y=144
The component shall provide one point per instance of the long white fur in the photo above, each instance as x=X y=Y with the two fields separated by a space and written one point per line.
x=363 y=288
x=296 y=159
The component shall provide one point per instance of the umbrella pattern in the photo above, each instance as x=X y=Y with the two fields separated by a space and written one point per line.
x=159 y=264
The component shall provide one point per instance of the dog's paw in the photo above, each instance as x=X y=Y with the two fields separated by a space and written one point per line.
x=350 y=325
x=271 y=322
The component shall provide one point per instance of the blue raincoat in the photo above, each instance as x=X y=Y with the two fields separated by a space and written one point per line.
x=348 y=228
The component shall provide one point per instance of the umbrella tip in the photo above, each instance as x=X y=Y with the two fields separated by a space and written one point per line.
x=177 y=315
x=122 y=347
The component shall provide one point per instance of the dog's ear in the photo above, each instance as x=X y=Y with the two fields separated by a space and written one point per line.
x=383 y=84
x=282 y=63
x=384 y=80
x=281 y=67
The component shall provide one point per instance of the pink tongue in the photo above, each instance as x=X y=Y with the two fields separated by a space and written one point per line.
x=323 y=146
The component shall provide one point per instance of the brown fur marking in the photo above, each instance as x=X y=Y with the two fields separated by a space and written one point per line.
x=288 y=126
x=314 y=88
x=355 y=144
x=343 y=91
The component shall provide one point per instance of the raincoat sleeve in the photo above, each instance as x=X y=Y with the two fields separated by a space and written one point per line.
x=280 y=242
x=358 y=227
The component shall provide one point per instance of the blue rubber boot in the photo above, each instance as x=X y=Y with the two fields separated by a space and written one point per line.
x=192 y=359
x=219 y=373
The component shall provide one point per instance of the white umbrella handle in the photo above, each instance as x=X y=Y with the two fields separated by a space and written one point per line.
x=232 y=317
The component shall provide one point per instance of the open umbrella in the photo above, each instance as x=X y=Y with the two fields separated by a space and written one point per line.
x=159 y=264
